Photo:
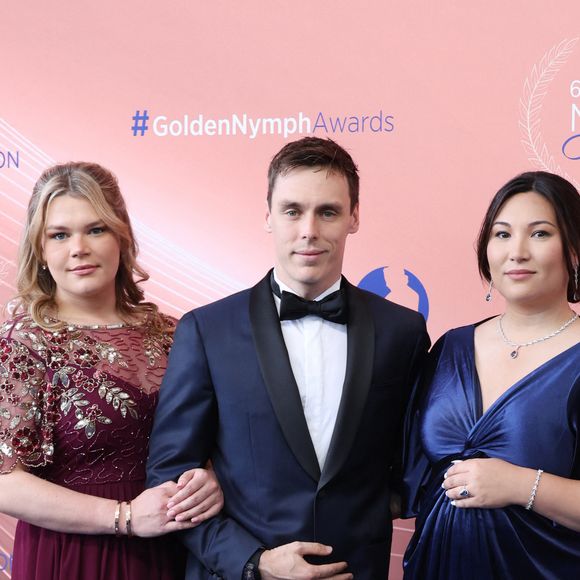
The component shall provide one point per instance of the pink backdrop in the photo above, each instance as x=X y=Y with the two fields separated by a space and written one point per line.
x=469 y=94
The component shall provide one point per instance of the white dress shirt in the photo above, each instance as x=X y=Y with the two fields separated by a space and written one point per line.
x=317 y=350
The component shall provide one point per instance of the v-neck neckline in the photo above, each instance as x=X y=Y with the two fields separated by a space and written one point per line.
x=480 y=414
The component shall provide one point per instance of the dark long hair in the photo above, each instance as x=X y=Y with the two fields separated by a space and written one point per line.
x=565 y=200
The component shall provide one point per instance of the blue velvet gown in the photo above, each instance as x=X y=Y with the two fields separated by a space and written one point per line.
x=535 y=424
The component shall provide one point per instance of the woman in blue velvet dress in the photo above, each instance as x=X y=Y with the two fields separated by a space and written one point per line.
x=493 y=457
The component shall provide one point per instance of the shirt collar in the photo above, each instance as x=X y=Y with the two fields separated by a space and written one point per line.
x=284 y=287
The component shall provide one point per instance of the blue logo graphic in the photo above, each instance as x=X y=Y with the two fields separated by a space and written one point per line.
x=565 y=148
x=140 y=123
x=382 y=283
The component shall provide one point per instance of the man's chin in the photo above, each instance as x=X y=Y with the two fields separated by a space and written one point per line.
x=308 y=278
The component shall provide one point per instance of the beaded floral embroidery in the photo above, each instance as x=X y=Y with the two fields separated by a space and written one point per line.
x=74 y=381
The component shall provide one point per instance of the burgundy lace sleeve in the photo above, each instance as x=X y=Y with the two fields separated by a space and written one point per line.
x=26 y=406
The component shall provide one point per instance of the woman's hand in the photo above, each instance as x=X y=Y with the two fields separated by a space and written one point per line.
x=169 y=507
x=149 y=512
x=489 y=483
x=199 y=496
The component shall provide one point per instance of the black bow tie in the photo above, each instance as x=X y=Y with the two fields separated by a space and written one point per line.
x=333 y=307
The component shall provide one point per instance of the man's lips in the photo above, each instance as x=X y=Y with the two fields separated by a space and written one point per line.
x=309 y=252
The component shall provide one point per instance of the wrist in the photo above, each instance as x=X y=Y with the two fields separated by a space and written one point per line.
x=117 y=519
x=128 y=521
x=252 y=567
x=105 y=515
x=534 y=490
x=122 y=524
x=525 y=487
x=122 y=527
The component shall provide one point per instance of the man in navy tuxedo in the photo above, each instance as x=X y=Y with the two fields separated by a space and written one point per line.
x=295 y=389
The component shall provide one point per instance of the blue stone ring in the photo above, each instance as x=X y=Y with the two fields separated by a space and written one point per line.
x=464 y=492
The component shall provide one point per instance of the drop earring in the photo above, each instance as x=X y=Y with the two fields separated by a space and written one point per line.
x=488 y=296
x=576 y=297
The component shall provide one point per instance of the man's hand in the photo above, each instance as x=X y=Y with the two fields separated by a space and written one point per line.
x=396 y=505
x=287 y=563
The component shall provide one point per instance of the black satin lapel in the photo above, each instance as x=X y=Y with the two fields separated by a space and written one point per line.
x=359 y=370
x=278 y=376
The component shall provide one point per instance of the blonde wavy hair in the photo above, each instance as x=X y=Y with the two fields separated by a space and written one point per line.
x=36 y=287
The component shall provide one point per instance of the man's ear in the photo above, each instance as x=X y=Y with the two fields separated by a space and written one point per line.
x=355 y=220
x=267 y=223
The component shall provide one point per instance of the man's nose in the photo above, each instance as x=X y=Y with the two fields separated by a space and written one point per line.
x=310 y=227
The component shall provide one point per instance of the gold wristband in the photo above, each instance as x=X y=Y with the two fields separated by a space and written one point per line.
x=128 y=520
x=117 y=516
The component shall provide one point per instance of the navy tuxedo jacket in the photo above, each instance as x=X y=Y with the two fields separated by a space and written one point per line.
x=229 y=395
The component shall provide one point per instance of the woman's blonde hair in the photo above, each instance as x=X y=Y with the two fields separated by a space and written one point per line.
x=36 y=287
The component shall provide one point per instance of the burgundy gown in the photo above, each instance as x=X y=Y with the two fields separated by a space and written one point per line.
x=76 y=409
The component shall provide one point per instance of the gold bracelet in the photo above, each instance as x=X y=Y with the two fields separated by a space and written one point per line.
x=128 y=520
x=117 y=516
x=534 y=490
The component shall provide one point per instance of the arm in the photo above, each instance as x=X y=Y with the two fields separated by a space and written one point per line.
x=416 y=366
x=45 y=504
x=417 y=467
x=27 y=421
x=494 y=483
x=184 y=436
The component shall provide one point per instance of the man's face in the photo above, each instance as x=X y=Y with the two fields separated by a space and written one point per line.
x=310 y=219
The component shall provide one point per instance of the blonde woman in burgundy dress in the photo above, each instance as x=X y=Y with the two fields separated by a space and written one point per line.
x=81 y=362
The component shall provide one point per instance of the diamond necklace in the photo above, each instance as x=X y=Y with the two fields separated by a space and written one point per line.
x=518 y=345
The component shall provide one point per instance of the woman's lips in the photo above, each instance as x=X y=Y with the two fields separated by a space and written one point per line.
x=84 y=270
x=519 y=274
